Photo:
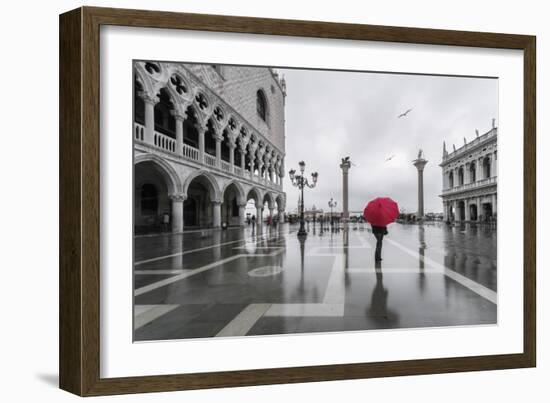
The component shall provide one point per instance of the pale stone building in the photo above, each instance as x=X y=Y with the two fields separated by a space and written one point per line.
x=470 y=179
x=207 y=139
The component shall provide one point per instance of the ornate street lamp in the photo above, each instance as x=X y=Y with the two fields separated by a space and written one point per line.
x=331 y=203
x=300 y=182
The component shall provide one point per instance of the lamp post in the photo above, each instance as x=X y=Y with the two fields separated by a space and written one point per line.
x=331 y=203
x=300 y=182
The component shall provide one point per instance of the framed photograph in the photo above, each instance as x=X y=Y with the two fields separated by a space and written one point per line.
x=249 y=201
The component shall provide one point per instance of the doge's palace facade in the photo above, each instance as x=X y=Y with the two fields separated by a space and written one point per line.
x=207 y=139
x=470 y=179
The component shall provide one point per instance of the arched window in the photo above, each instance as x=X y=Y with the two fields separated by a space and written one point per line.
x=261 y=105
x=149 y=199
x=164 y=120
x=487 y=167
x=472 y=172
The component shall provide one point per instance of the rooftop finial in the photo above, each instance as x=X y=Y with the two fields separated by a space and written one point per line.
x=493 y=124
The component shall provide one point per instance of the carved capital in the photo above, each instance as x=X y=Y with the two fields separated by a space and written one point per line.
x=178 y=197
x=201 y=126
x=178 y=115
x=148 y=99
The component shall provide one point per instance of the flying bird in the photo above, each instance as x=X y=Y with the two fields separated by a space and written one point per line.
x=390 y=158
x=404 y=114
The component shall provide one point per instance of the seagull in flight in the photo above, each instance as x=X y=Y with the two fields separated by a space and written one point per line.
x=390 y=158
x=404 y=114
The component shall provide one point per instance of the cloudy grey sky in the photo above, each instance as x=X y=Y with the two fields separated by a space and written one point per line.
x=331 y=114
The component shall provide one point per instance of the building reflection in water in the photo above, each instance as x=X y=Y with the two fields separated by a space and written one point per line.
x=470 y=249
x=421 y=252
x=345 y=248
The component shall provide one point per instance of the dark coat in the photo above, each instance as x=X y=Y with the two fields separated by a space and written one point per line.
x=379 y=230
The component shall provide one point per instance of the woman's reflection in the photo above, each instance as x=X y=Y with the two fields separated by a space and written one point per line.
x=378 y=310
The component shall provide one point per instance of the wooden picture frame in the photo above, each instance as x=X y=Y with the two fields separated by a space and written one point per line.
x=80 y=184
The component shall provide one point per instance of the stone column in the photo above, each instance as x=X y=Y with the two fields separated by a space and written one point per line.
x=494 y=164
x=201 y=128
x=281 y=215
x=420 y=163
x=179 y=133
x=217 y=214
x=345 y=166
x=232 y=146
x=242 y=216
x=177 y=212
x=150 y=103
x=260 y=157
x=218 y=139
x=259 y=215
x=242 y=147
x=494 y=204
x=467 y=210
x=252 y=160
x=271 y=210
x=478 y=206
x=455 y=211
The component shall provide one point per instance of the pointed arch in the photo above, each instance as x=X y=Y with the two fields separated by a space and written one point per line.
x=255 y=194
x=143 y=77
x=208 y=179
x=269 y=198
x=240 y=191
x=262 y=107
x=164 y=168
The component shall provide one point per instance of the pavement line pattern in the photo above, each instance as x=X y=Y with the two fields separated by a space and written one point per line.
x=148 y=313
x=154 y=259
x=175 y=271
x=391 y=270
x=479 y=289
x=335 y=293
x=259 y=247
x=364 y=242
x=243 y=322
x=189 y=273
x=305 y=310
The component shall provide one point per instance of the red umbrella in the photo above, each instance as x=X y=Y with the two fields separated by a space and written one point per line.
x=381 y=211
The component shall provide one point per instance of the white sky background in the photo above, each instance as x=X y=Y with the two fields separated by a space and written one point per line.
x=331 y=114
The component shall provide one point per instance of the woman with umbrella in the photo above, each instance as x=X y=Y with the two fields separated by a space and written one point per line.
x=379 y=213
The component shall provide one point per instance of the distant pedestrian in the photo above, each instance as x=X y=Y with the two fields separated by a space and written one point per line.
x=253 y=220
x=379 y=233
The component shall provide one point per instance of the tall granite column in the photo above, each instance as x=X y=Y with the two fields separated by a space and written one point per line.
x=420 y=163
x=345 y=165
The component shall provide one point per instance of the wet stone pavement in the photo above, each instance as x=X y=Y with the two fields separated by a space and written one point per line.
x=241 y=282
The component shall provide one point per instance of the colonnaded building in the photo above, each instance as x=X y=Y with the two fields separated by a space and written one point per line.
x=470 y=179
x=207 y=139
